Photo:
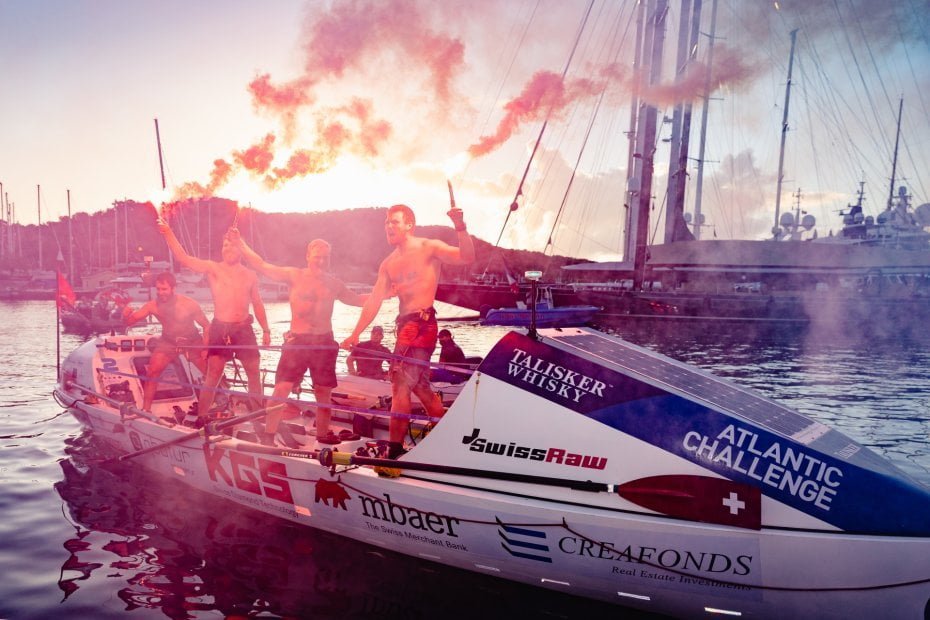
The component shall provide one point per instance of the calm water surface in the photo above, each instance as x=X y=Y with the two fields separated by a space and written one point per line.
x=84 y=542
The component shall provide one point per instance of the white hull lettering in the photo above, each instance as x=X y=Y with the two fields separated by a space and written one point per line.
x=781 y=467
x=559 y=456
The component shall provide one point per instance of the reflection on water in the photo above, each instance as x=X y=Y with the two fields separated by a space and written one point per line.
x=183 y=552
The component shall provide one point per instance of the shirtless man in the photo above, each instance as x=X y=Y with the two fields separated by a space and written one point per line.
x=234 y=288
x=411 y=272
x=177 y=315
x=309 y=344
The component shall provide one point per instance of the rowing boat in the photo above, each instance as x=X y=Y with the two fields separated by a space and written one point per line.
x=573 y=461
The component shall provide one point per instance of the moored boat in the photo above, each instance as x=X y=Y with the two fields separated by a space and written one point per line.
x=577 y=462
x=544 y=314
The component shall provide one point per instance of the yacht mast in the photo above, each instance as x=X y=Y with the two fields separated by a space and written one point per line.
x=894 y=161
x=699 y=186
x=646 y=135
x=39 y=206
x=675 y=227
x=70 y=243
x=784 y=135
x=632 y=162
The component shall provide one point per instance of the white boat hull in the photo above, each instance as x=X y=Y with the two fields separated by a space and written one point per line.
x=592 y=543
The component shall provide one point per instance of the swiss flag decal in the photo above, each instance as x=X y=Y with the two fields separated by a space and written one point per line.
x=698 y=498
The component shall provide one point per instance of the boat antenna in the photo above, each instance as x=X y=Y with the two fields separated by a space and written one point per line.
x=784 y=135
x=533 y=277
x=894 y=161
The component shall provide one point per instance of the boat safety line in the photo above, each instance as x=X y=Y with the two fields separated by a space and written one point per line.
x=126 y=410
x=208 y=429
x=281 y=399
x=605 y=547
x=465 y=370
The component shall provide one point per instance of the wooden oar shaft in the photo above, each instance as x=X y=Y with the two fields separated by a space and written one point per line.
x=327 y=457
x=342 y=458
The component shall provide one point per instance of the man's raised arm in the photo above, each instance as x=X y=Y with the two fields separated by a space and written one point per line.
x=464 y=254
x=194 y=264
x=253 y=260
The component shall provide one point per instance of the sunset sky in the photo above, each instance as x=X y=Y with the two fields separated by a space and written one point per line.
x=304 y=106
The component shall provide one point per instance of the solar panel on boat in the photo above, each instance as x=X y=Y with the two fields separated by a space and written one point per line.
x=695 y=383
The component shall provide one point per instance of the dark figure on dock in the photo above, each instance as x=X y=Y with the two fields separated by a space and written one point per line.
x=365 y=364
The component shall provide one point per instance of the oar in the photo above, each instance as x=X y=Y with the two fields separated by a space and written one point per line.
x=207 y=430
x=327 y=457
x=695 y=498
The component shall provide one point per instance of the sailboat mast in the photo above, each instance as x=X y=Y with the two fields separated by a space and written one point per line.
x=674 y=174
x=675 y=227
x=784 y=135
x=39 y=206
x=646 y=134
x=632 y=163
x=70 y=243
x=3 y=220
x=699 y=185
x=894 y=161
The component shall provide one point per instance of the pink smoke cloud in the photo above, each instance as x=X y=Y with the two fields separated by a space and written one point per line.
x=545 y=93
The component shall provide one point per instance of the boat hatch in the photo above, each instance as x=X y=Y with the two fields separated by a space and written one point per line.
x=173 y=383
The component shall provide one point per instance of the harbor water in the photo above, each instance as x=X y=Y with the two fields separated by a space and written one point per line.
x=81 y=541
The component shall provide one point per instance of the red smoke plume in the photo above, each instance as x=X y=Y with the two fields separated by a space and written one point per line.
x=350 y=35
x=729 y=68
x=354 y=33
x=258 y=157
x=544 y=94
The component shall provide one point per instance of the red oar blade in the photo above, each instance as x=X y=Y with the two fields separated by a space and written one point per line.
x=698 y=498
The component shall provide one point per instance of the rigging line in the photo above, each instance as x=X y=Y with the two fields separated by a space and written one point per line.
x=588 y=199
x=921 y=28
x=910 y=65
x=571 y=179
x=910 y=156
x=855 y=59
x=545 y=123
x=827 y=100
x=503 y=81
x=868 y=48
x=806 y=98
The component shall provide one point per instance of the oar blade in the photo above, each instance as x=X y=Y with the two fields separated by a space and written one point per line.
x=698 y=498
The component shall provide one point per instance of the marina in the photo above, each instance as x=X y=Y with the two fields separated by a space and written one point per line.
x=676 y=255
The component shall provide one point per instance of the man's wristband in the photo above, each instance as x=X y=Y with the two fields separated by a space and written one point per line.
x=460 y=227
